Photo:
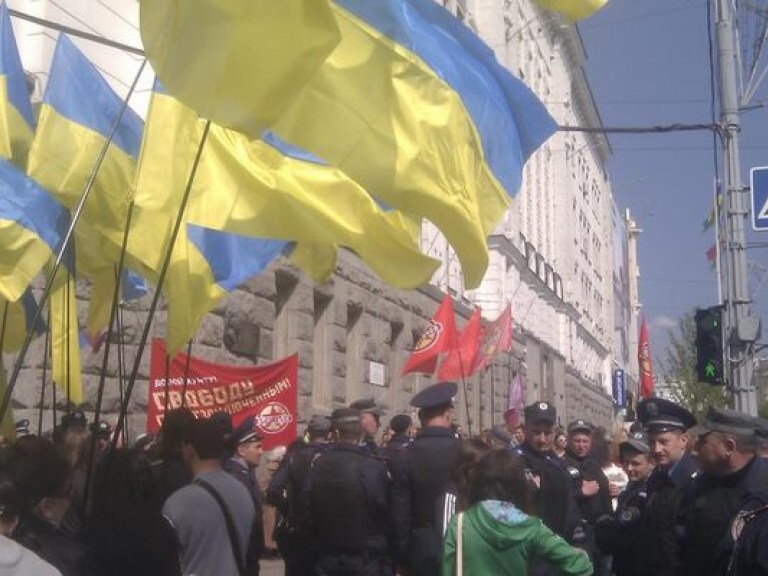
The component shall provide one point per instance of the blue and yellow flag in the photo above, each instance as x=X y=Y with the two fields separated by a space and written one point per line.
x=17 y=124
x=16 y=320
x=251 y=189
x=411 y=108
x=573 y=10
x=237 y=62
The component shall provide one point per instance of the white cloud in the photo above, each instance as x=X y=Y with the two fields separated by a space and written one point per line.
x=662 y=323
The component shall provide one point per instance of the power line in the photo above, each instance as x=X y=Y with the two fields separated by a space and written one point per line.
x=660 y=129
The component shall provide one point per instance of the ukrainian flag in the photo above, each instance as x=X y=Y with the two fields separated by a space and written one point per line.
x=17 y=124
x=248 y=189
x=16 y=320
x=418 y=112
x=573 y=10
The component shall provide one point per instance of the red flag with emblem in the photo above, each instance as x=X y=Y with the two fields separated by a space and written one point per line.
x=644 y=360
x=457 y=365
x=438 y=336
x=496 y=337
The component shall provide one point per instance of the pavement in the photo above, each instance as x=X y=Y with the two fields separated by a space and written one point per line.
x=272 y=568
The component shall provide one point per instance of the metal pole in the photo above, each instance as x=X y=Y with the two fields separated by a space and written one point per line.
x=739 y=354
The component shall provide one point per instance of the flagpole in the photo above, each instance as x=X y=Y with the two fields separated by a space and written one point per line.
x=493 y=393
x=66 y=241
x=466 y=398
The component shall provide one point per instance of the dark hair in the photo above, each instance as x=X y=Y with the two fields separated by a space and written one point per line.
x=501 y=476
x=601 y=447
x=348 y=430
x=11 y=502
x=38 y=470
x=471 y=451
x=207 y=438
x=175 y=428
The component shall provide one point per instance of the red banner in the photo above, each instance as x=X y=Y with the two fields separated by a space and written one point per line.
x=439 y=336
x=268 y=391
x=644 y=360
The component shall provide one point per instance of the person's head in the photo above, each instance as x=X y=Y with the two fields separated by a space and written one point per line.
x=401 y=425
x=435 y=404
x=561 y=440
x=540 y=418
x=247 y=442
x=369 y=416
x=500 y=475
x=580 y=438
x=346 y=426
x=519 y=433
x=635 y=458
x=202 y=444
x=102 y=431
x=470 y=453
x=11 y=504
x=176 y=426
x=725 y=442
x=665 y=423
x=499 y=437
x=318 y=428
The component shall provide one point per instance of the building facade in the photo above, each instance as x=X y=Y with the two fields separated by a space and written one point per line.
x=560 y=256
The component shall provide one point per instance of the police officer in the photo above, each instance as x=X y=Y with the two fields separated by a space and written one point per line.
x=401 y=426
x=749 y=533
x=370 y=420
x=286 y=491
x=348 y=499
x=421 y=478
x=663 y=522
x=725 y=448
x=618 y=533
x=242 y=463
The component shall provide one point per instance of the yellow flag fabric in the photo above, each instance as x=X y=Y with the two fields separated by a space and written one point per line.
x=237 y=62
x=65 y=333
x=251 y=189
x=573 y=10
x=377 y=112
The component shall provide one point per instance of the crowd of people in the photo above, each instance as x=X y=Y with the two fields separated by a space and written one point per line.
x=671 y=496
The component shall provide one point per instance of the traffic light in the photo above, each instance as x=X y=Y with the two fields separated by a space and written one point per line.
x=709 y=345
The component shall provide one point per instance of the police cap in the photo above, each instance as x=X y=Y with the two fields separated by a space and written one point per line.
x=400 y=423
x=540 y=412
x=246 y=431
x=344 y=416
x=761 y=428
x=74 y=418
x=366 y=405
x=22 y=427
x=637 y=442
x=580 y=426
x=659 y=415
x=440 y=394
x=319 y=424
x=727 y=422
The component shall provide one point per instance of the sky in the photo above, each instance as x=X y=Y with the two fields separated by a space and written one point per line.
x=648 y=65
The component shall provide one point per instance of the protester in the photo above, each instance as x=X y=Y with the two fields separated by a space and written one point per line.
x=498 y=534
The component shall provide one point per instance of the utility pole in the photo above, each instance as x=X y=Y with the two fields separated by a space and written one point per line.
x=741 y=330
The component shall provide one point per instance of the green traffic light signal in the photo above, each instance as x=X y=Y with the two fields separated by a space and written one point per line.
x=709 y=345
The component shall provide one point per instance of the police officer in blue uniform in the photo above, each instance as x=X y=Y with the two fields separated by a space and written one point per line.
x=349 y=506
x=725 y=448
x=420 y=479
x=553 y=487
x=242 y=463
x=664 y=520
x=286 y=491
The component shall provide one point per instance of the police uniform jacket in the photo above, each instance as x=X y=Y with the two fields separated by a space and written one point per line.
x=247 y=476
x=748 y=535
x=420 y=479
x=618 y=534
x=597 y=505
x=715 y=500
x=664 y=518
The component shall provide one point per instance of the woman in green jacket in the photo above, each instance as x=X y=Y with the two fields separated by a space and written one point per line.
x=498 y=536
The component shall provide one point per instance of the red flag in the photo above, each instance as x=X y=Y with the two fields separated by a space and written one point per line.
x=496 y=337
x=515 y=402
x=459 y=361
x=438 y=337
x=644 y=360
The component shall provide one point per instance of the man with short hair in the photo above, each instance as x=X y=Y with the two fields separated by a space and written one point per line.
x=348 y=498
x=663 y=522
x=213 y=516
x=286 y=493
x=370 y=421
x=618 y=534
x=725 y=448
x=421 y=478
x=246 y=442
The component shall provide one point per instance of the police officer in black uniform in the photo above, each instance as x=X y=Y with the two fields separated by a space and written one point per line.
x=400 y=426
x=664 y=520
x=725 y=448
x=421 y=478
x=749 y=533
x=370 y=420
x=619 y=533
x=349 y=507
x=242 y=463
x=286 y=491
x=553 y=487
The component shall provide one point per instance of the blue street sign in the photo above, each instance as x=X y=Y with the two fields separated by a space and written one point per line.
x=758 y=181
x=619 y=389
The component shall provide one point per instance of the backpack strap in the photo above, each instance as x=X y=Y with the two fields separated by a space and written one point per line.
x=231 y=530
